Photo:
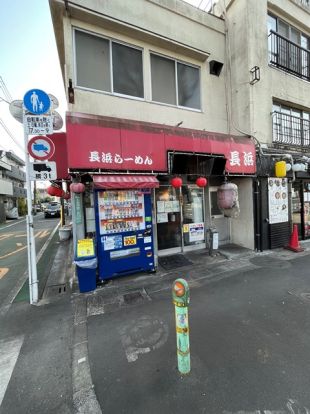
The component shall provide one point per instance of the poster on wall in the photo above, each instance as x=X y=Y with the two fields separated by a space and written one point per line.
x=196 y=232
x=162 y=218
x=278 y=200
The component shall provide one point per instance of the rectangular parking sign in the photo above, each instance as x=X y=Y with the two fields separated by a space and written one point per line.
x=43 y=171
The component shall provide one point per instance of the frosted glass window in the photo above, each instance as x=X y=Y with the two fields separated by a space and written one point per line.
x=92 y=62
x=188 y=86
x=166 y=74
x=163 y=80
x=127 y=70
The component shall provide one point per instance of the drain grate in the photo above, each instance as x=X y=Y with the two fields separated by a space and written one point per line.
x=55 y=290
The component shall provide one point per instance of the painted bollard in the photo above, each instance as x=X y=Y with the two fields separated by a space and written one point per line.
x=180 y=296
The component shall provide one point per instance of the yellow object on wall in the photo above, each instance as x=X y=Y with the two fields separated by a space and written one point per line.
x=280 y=167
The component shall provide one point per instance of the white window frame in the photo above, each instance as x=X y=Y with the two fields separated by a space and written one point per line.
x=176 y=61
x=111 y=41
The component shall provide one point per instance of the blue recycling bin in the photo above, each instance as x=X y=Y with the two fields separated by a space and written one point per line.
x=86 y=269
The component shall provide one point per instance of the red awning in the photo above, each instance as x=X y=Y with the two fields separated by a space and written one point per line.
x=125 y=181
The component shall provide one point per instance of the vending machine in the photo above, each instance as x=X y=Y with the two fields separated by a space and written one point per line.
x=124 y=232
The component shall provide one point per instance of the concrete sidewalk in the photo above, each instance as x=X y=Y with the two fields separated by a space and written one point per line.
x=81 y=352
x=36 y=376
x=124 y=341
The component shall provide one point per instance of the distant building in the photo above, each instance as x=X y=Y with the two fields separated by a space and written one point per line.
x=12 y=181
x=268 y=50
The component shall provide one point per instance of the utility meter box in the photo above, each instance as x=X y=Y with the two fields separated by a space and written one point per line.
x=213 y=241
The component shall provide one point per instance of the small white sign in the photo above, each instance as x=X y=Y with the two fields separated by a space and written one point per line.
x=43 y=171
x=196 y=232
x=162 y=218
x=38 y=124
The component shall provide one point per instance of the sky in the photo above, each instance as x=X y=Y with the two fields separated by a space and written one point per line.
x=29 y=60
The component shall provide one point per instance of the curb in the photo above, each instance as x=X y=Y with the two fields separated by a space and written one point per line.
x=84 y=397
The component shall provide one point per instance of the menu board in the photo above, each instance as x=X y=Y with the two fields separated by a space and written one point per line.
x=278 y=200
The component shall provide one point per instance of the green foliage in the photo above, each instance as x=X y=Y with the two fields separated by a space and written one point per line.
x=22 y=206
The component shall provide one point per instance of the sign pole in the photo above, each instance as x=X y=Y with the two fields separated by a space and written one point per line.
x=32 y=264
x=37 y=121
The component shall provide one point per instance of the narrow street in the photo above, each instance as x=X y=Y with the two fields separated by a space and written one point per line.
x=13 y=250
x=35 y=356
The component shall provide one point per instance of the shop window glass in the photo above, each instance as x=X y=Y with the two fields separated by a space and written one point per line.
x=215 y=210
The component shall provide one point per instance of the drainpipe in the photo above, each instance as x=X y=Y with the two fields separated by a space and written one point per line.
x=257 y=224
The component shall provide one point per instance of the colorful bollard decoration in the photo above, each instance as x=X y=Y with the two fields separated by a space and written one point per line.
x=180 y=298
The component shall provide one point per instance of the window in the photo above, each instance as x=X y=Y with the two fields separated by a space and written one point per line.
x=288 y=47
x=175 y=83
x=105 y=65
x=290 y=125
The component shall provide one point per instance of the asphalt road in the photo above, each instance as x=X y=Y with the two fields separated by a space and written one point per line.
x=13 y=249
x=35 y=340
x=249 y=336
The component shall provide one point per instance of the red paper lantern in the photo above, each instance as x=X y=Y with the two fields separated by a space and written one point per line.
x=66 y=196
x=77 y=187
x=54 y=191
x=176 y=182
x=201 y=181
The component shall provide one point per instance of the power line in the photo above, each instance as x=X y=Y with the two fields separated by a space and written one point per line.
x=11 y=135
x=5 y=90
x=2 y=99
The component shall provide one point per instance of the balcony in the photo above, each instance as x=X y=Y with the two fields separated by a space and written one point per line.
x=19 y=192
x=289 y=56
x=16 y=174
x=303 y=3
x=290 y=130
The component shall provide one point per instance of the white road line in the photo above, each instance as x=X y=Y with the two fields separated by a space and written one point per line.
x=293 y=407
x=13 y=293
x=9 y=351
x=13 y=224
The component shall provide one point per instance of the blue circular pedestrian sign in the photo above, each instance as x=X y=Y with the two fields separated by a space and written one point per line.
x=37 y=102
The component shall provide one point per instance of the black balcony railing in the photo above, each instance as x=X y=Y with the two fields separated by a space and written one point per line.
x=290 y=130
x=289 y=56
x=305 y=3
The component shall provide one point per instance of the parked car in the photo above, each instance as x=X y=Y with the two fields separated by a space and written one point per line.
x=52 y=210
x=36 y=208
x=12 y=213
